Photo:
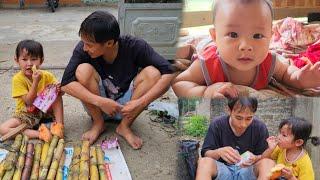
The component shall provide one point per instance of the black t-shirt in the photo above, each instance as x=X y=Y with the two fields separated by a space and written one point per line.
x=133 y=54
x=220 y=135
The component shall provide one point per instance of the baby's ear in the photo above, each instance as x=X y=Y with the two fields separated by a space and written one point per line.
x=16 y=59
x=212 y=32
x=41 y=61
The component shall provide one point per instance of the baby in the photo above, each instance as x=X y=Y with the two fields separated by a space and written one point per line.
x=242 y=33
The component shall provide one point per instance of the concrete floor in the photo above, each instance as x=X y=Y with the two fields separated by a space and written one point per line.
x=58 y=33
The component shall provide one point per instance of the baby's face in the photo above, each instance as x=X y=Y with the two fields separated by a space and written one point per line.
x=242 y=34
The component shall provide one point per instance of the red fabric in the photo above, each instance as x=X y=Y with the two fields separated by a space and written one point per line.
x=312 y=55
x=216 y=74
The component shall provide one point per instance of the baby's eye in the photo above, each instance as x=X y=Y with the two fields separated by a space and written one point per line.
x=233 y=34
x=258 y=36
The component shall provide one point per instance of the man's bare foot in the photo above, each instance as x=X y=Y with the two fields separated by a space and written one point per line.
x=134 y=141
x=93 y=133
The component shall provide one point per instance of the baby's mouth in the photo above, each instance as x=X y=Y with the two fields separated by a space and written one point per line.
x=245 y=59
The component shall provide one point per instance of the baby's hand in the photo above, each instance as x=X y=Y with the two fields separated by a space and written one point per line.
x=272 y=142
x=309 y=75
x=220 y=90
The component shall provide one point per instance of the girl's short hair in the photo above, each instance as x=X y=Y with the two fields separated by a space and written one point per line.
x=244 y=102
x=33 y=48
x=300 y=129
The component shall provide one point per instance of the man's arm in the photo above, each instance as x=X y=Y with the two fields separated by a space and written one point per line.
x=161 y=86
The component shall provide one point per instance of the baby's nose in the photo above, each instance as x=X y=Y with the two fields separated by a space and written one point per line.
x=245 y=46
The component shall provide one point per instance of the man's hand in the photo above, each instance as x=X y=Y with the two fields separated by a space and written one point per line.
x=110 y=107
x=220 y=90
x=132 y=109
x=252 y=159
x=309 y=75
x=230 y=155
x=272 y=142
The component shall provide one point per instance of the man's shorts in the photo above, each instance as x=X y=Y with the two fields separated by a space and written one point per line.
x=233 y=172
x=122 y=100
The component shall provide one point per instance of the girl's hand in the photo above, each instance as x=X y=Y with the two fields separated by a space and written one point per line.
x=287 y=173
x=36 y=76
x=272 y=142
x=59 y=91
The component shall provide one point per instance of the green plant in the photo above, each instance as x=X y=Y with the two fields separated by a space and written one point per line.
x=196 y=126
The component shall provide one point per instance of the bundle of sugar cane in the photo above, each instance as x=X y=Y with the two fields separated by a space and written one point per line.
x=94 y=173
x=84 y=161
x=100 y=159
x=10 y=159
x=55 y=161
x=59 y=175
x=44 y=169
x=75 y=165
x=36 y=162
x=16 y=172
x=28 y=162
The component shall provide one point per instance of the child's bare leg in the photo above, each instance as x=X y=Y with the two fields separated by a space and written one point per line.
x=89 y=78
x=32 y=134
x=263 y=167
x=57 y=108
x=12 y=123
x=143 y=83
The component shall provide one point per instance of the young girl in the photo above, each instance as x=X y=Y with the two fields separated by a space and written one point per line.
x=26 y=85
x=242 y=33
x=288 y=149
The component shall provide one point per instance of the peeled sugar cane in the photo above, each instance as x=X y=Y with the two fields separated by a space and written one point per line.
x=84 y=161
x=55 y=161
x=59 y=175
x=94 y=173
x=100 y=160
x=28 y=162
x=44 y=153
x=45 y=168
x=75 y=165
x=36 y=162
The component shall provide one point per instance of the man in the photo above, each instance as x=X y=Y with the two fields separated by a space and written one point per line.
x=231 y=135
x=114 y=76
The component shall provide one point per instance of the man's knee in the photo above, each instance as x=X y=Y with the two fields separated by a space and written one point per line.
x=85 y=72
x=207 y=163
x=264 y=165
x=150 y=73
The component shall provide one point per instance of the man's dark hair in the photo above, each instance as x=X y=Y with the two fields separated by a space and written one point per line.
x=244 y=102
x=100 y=26
x=300 y=129
x=217 y=3
x=33 y=48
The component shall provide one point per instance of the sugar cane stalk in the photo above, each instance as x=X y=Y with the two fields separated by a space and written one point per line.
x=21 y=159
x=75 y=165
x=44 y=153
x=36 y=162
x=84 y=161
x=45 y=168
x=59 y=175
x=55 y=161
x=94 y=173
x=100 y=159
x=11 y=157
x=28 y=162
